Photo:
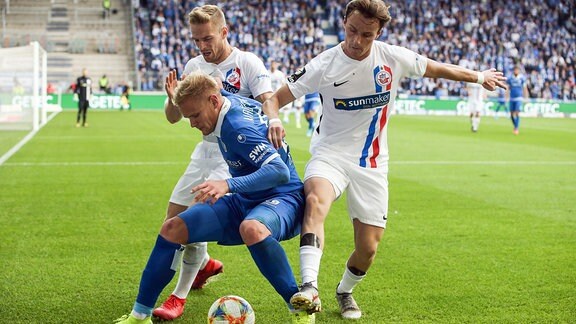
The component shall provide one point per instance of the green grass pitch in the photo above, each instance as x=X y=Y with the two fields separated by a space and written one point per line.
x=482 y=227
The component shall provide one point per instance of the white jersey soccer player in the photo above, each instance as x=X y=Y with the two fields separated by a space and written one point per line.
x=358 y=81
x=475 y=104
x=243 y=74
x=357 y=100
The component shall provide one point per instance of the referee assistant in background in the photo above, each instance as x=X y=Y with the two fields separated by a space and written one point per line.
x=84 y=92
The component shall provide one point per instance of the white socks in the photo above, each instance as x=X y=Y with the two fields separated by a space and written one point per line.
x=298 y=117
x=348 y=282
x=139 y=316
x=475 y=123
x=310 y=264
x=194 y=258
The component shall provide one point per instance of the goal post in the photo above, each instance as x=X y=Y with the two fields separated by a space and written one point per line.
x=23 y=96
x=23 y=87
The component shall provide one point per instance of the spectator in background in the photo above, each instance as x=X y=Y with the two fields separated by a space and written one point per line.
x=17 y=88
x=104 y=84
x=125 y=97
x=83 y=90
x=451 y=32
x=50 y=88
x=106 y=5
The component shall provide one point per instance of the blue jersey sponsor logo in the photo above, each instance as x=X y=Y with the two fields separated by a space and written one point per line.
x=258 y=152
x=367 y=102
x=234 y=164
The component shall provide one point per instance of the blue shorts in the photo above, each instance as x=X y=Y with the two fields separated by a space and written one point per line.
x=515 y=105
x=311 y=106
x=281 y=214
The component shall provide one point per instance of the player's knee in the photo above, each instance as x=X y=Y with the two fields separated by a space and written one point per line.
x=252 y=231
x=315 y=201
x=174 y=230
x=367 y=252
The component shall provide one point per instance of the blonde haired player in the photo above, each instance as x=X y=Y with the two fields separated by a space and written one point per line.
x=241 y=73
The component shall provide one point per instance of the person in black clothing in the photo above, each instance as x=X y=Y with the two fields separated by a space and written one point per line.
x=125 y=97
x=84 y=92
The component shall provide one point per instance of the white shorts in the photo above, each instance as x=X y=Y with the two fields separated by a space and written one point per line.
x=475 y=106
x=206 y=163
x=367 y=195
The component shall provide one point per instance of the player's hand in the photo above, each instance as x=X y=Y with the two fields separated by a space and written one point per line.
x=276 y=132
x=210 y=191
x=493 y=79
x=170 y=84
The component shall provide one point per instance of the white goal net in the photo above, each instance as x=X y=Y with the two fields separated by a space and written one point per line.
x=23 y=83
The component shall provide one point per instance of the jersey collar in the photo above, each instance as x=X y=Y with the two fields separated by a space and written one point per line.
x=225 y=108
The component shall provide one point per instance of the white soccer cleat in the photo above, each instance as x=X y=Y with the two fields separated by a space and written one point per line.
x=348 y=307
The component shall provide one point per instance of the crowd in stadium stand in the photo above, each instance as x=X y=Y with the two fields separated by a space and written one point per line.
x=540 y=37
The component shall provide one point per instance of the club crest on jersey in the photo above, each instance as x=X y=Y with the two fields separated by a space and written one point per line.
x=382 y=78
x=297 y=75
x=367 y=102
x=232 y=80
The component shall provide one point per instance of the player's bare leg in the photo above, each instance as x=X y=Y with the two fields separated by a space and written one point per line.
x=319 y=197
x=366 y=240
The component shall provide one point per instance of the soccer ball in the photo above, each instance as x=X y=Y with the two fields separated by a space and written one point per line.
x=231 y=310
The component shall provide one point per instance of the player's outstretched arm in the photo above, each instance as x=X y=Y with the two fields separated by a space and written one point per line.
x=490 y=79
x=172 y=112
x=270 y=107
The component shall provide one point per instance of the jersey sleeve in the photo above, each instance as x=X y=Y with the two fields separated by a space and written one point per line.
x=412 y=63
x=258 y=77
x=306 y=79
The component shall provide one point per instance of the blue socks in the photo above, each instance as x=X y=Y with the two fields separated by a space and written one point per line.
x=515 y=121
x=271 y=259
x=160 y=269
x=310 y=123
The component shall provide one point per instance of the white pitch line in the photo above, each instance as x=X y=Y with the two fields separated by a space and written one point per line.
x=144 y=163
x=23 y=141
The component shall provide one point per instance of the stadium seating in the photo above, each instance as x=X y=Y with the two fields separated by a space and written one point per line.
x=76 y=36
x=476 y=35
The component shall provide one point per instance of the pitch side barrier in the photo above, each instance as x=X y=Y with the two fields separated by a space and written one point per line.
x=412 y=105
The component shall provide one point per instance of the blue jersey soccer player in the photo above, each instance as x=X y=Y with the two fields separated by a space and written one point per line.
x=265 y=206
x=241 y=73
x=517 y=93
x=311 y=107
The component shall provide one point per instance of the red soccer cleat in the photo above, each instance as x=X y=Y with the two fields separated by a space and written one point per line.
x=212 y=268
x=171 y=309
